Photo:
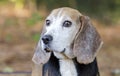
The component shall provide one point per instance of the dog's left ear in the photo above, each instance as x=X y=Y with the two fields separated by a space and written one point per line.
x=87 y=42
x=40 y=56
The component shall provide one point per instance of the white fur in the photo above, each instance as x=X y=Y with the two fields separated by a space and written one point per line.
x=62 y=39
x=67 y=68
x=60 y=12
x=62 y=36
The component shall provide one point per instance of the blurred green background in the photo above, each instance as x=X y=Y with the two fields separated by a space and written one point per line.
x=21 y=22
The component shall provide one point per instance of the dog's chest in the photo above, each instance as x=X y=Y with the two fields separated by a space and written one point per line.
x=67 y=68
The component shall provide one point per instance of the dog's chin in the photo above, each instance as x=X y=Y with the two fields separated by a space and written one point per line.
x=62 y=54
x=48 y=48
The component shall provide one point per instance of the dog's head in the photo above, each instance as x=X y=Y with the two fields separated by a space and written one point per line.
x=68 y=34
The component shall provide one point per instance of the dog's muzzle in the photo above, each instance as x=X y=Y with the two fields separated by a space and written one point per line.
x=46 y=40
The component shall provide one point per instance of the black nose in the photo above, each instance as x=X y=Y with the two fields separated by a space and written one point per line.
x=47 y=39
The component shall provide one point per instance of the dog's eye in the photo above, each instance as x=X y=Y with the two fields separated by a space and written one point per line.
x=67 y=23
x=47 y=22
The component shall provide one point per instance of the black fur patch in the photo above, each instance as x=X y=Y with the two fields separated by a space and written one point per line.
x=53 y=69
x=90 y=69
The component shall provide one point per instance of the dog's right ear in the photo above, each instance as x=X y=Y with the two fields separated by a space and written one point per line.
x=87 y=42
x=40 y=56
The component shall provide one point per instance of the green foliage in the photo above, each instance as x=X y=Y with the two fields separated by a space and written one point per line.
x=8 y=38
x=36 y=37
x=34 y=19
x=10 y=22
x=8 y=69
x=3 y=1
x=104 y=10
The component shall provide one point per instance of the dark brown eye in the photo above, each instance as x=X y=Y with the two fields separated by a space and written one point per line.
x=67 y=23
x=47 y=22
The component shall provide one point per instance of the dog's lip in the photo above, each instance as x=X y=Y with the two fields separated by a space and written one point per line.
x=47 y=49
x=63 y=51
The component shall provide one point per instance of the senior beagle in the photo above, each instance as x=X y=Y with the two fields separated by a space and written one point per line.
x=68 y=45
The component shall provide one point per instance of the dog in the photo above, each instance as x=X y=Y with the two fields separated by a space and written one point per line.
x=68 y=45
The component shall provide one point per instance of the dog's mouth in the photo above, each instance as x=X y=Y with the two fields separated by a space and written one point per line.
x=63 y=53
x=47 y=48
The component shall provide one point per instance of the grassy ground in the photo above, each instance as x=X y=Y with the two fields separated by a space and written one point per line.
x=19 y=33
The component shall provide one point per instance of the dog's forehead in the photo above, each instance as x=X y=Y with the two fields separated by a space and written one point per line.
x=66 y=12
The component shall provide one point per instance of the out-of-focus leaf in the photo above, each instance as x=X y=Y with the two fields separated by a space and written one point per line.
x=36 y=37
x=8 y=69
x=34 y=19
x=8 y=38
x=30 y=22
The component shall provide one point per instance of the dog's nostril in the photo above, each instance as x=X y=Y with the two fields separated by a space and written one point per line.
x=47 y=38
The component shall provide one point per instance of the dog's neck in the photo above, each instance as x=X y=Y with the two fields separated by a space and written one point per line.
x=56 y=67
x=67 y=67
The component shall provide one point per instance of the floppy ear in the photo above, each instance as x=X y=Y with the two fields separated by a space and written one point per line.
x=87 y=42
x=40 y=56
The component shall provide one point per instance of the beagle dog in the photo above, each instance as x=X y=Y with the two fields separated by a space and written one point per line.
x=68 y=45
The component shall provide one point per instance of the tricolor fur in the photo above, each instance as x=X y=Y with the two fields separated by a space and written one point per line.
x=73 y=44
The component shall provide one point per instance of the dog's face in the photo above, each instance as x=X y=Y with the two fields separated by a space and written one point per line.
x=61 y=26
x=68 y=34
